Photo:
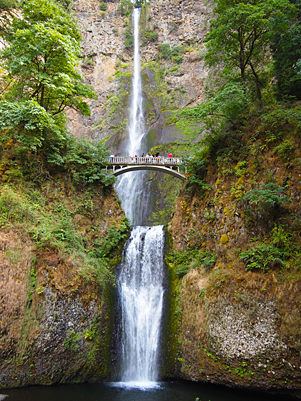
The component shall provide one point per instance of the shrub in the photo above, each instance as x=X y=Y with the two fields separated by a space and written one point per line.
x=263 y=257
x=285 y=150
x=192 y=258
x=7 y=4
x=172 y=53
x=103 y=6
x=182 y=271
x=152 y=36
x=206 y=259
x=149 y=36
x=125 y=7
x=129 y=38
x=266 y=197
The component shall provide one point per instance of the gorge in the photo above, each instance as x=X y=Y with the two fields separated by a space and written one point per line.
x=231 y=235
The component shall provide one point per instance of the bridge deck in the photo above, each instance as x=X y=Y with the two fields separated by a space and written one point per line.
x=128 y=160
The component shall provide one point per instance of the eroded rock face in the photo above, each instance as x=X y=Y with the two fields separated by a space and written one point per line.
x=239 y=325
x=100 y=49
x=178 y=23
x=237 y=331
x=15 y=263
x=56 y=319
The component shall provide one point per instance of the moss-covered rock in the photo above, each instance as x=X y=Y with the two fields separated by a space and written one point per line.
x=239 y=318
x=58 y=252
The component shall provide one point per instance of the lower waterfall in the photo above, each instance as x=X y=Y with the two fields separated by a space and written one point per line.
x=140 y=287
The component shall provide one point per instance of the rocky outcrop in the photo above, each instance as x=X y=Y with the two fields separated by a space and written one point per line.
x=57 y=304
x=237 y=326
x=107 y=67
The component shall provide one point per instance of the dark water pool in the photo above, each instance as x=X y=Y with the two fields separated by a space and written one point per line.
x=167 y=391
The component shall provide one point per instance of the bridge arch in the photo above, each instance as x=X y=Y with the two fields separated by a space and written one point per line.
x=166 y=170
x=124 y=164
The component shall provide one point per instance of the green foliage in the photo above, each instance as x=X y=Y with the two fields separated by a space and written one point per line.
x=103 y=6
x=89 y=334
x=40 y=57
x=286 y=55
x=128 y=38
x=33 y=276
x=148 y=35
x=192 y=258
x=282 y=239
x=55 y=227
x=30 y=123
x=277 y=117
x=39 y=155
x=197 y=169
x=208 y=260
x=72 y=340
x=230 y=103
x=104 y=248
x=85 y=160
x=285 y=150
x=8 y=4
x=125 y=7
x=66 y=4
x=263 y=257
x=266 y=197
x=182 y=271
x=171 y=53
x=241 y=32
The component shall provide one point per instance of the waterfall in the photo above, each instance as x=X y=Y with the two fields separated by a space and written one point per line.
x=140 y=287
x=130 y=186
x=140 y=282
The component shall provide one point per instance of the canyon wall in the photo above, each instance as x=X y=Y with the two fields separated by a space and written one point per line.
x=57 y=304
x=168 y=83
x=236 y=306
x=172 y=79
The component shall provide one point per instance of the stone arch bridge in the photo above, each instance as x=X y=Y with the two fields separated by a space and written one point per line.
x=167 y=165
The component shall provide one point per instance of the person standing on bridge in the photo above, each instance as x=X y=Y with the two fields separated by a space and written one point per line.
x=169 y=157
x=111 y=157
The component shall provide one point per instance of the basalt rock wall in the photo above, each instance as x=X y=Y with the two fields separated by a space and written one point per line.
x=168 y=83
x=56 y=320
x=236 y=319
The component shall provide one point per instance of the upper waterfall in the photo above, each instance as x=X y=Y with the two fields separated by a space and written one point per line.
x=136 y=125
x=130 y=186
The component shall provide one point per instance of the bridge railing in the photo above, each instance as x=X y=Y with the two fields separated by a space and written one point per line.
x=160 y=160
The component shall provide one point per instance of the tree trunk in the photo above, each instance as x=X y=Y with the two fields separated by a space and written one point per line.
x=258 y=90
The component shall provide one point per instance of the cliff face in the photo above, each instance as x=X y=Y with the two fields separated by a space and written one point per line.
x=172 y=79
x=56 y=302
x=168 y=83
x=238 y=320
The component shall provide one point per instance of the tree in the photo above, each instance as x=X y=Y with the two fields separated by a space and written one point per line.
x=41 y=81
x=8 y=4
x=286 y=55
x=6 y=13
x=41 y=56
x=241 y=32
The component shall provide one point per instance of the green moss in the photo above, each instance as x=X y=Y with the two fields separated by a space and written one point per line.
x=172 y=319
x=224 y=239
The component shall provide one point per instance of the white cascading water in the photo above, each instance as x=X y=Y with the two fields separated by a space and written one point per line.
x=140 y=283
x=130 y=186
x=141 y=292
